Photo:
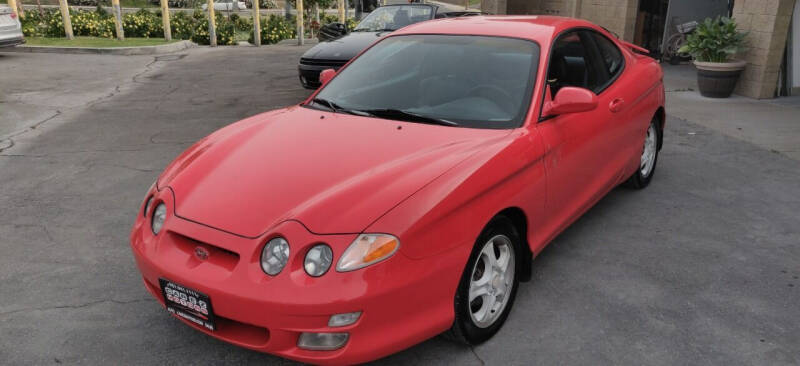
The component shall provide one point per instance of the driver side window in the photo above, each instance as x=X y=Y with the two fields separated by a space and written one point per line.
x=573 y=63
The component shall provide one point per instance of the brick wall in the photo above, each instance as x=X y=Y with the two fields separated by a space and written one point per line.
x=767 y=22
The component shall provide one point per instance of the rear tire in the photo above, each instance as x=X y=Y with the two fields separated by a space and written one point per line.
x=647 y=164
x=492 y=276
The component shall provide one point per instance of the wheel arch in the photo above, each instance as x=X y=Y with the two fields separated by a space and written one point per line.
x=520 y=222
x=661 y=115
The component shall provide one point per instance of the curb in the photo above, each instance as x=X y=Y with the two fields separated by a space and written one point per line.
x=293 y=42
x=124 y=51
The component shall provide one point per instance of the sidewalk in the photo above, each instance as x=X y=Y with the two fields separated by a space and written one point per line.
x=773 y=124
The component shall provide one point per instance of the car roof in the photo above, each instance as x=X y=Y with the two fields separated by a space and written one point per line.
x=534 y=27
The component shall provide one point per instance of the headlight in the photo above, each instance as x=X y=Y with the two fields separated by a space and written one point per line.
x=274 y=256
x=318 y=260
x=366 y=250
x=159 y=215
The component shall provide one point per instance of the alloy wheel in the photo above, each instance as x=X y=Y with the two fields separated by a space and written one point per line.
x=649 y=151
x=491 y=281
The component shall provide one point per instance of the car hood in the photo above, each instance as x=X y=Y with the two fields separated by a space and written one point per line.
x=343 y=48
x=335 y=173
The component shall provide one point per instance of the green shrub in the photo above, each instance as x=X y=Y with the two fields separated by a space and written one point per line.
x=91 y=23
x=148 y=24
x=182 y=25
x=142 y=24
x=241 y=24
x=274 y=29
x=714 y=40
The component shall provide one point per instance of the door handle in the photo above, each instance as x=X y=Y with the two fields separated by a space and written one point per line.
x=616 y=105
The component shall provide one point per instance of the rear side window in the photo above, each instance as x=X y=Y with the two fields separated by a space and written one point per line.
x=612 y=57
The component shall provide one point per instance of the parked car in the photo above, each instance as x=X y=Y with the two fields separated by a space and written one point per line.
x=10 y=28
x=337 y=46
x=408 y=196
x=227 y=5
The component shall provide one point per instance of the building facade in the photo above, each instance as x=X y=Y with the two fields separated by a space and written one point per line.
x=772 y=54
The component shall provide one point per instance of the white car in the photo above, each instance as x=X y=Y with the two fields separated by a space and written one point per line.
x=10 y=28
x=227 y=5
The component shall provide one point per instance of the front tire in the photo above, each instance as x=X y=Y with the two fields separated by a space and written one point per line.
x=489 y=283
x=647 y=163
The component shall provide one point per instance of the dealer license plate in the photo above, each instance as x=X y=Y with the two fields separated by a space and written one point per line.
x=189 y=304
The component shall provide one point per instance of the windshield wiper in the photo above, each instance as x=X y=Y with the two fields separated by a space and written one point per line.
x=327 y=103
x=335 y=108
x=402 y=115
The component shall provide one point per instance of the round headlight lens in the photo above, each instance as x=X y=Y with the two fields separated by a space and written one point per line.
x=318 y=260
x=159 y=215
x=274 y=256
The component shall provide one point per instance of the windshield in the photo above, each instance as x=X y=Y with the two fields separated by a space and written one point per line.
x=470 y=81
x=394 y=17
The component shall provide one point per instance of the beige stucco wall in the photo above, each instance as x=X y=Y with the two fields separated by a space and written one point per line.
x=618 y=16
x=767 y=24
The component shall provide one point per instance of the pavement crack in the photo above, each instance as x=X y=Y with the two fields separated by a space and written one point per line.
x=10 y=144
x=44 y=229
x=147 y=67
x=117 y=89
x=77 y=306
x=132 y=168
x=89 y=151
x=472 y=349
x=10 y=137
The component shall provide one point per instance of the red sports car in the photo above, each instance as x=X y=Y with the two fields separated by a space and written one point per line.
x=406 y=197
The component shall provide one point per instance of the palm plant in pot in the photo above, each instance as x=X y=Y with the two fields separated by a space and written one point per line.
x=713 y=44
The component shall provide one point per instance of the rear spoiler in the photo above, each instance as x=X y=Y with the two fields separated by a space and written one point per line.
x=634 y=47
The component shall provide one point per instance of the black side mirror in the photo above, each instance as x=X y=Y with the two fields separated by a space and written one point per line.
x=331 y=31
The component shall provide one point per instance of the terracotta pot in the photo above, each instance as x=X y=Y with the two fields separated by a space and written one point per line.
x=718 y=79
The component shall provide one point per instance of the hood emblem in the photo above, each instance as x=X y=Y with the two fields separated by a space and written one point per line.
x=201 y=253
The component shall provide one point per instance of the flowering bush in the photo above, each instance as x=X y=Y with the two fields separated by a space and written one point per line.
x=143 y=23
x=241 y=24
x=146 y=24
x=275 y=29
x=91 y=23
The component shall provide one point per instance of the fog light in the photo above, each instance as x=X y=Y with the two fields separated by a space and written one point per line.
x=340 y=320
x=322 y=341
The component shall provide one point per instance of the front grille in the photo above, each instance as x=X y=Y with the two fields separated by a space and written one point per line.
x=217 y=256
x=323 y=62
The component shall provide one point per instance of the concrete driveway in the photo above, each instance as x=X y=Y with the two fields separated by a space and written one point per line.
x=700 y=268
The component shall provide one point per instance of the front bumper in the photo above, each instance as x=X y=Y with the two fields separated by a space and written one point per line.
x=309 y=75
x=309 y=69
x=403 y=301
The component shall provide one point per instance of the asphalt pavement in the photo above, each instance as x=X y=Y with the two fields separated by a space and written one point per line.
x=700 y=268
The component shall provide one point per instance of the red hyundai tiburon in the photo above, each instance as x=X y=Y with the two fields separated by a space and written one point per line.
x=405 y=198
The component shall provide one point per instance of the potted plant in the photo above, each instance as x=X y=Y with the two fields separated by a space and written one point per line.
x=713 y=44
